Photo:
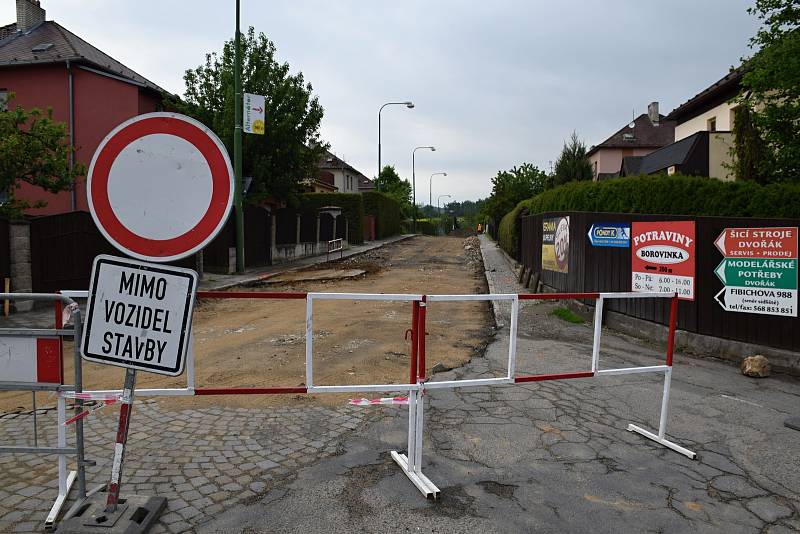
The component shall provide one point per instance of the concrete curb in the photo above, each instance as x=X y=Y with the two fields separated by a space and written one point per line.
x=257 y=277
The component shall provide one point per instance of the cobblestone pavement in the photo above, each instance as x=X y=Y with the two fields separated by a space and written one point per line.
x=204 y=460
x=555 y=456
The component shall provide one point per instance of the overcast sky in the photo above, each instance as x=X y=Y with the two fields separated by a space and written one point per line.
x=495 y=84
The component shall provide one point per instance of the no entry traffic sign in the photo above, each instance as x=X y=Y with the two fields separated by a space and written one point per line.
x=139 y=315
x=160 y=186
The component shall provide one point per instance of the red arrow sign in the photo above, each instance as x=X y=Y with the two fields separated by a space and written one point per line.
x=258 y=110
x=778 y=242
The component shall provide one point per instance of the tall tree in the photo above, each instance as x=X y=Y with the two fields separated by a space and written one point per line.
x=291 y=147
x=511 y=187
x=33 y=149
x=749 y=150
x=389 y=182
x=572 y=163
x=771 y=87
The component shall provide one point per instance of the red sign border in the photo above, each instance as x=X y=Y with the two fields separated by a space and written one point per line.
x=209 y=225
x=638 y=262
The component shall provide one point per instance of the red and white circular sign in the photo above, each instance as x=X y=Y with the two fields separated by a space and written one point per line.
x=160 y=186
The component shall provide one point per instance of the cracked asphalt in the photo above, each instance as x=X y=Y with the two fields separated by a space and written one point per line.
x=555 y=456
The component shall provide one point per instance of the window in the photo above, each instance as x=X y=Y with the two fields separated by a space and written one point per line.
x=3 y=100
x=712 y=124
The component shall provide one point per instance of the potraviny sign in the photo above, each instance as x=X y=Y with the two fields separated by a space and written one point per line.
x=139 y=315
x=663 y=257
x=759 y=270
x=610 y=235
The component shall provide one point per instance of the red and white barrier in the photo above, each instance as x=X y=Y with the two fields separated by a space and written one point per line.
x=411 y=461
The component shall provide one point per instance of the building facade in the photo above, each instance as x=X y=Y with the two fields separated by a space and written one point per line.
x=46 y=66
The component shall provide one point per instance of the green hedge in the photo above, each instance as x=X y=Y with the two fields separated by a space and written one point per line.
x=427 y=226
x=663 y=195
x=352 y=208
x=386 y=211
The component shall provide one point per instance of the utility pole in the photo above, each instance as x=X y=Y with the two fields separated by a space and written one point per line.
x=237 y=147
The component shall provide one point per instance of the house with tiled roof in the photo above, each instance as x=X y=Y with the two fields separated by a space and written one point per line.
x=703 y=137
x=346 y=178
x=644 y=134
x=712 y=109
x=47 y=66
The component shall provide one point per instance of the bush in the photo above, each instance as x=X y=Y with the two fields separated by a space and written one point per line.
x=427 y=226
x=386 y=211
x=352 y=209
x=662 y=195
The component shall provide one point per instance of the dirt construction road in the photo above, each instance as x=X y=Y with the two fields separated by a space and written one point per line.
x=260 y=343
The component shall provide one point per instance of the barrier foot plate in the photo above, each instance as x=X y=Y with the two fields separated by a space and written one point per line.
x=665 y=442
x=423 y=483
x=50 y=521
x=135 y=514
x=793 y=423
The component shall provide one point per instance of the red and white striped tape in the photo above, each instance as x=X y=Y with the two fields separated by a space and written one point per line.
x=93 y=396
x=85 y=413
x=374 y=402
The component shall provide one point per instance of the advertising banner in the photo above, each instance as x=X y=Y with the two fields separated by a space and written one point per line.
x=759 y=270
x=663 y=257
x=555 y=244
x=610 y=235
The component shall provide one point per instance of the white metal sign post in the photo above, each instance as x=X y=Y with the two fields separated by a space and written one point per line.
x=160 y=188
x=138 y=317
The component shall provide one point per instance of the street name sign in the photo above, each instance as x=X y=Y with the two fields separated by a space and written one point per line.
x=663 y=257
x=253 y=114
x=139 y=315
x=610 y=235
x=759 y=270
x=160 y=186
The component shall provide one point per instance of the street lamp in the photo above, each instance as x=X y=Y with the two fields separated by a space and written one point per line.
x=410 y=105
x=414 y=182
x=438 y=209
x=430 y=187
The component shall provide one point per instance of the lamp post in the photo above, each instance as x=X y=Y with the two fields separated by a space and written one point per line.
x=410 y=105
x=414 y=183
x=430 y=187
x=438 y=209
x=237 y=147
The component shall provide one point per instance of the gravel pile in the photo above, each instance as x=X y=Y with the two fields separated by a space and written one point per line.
x=472 y=253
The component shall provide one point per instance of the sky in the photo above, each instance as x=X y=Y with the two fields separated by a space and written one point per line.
x=495 y=84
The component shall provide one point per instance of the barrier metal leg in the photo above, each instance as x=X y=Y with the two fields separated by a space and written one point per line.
x=411 y=462
x=662 y=423
x=64 y=481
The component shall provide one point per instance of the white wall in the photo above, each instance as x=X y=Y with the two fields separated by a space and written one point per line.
x=699 y=123
x=344 y=180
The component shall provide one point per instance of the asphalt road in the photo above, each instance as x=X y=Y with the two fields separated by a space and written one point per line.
x=555 y=456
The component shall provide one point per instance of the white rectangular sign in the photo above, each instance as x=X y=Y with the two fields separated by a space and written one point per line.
x=253 y=114
x=139 y=315
x=763 y=300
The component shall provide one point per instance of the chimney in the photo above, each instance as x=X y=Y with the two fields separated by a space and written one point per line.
x=652 y=112
x=29 y=14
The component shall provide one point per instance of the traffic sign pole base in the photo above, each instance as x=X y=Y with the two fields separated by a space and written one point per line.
x=134 y=514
